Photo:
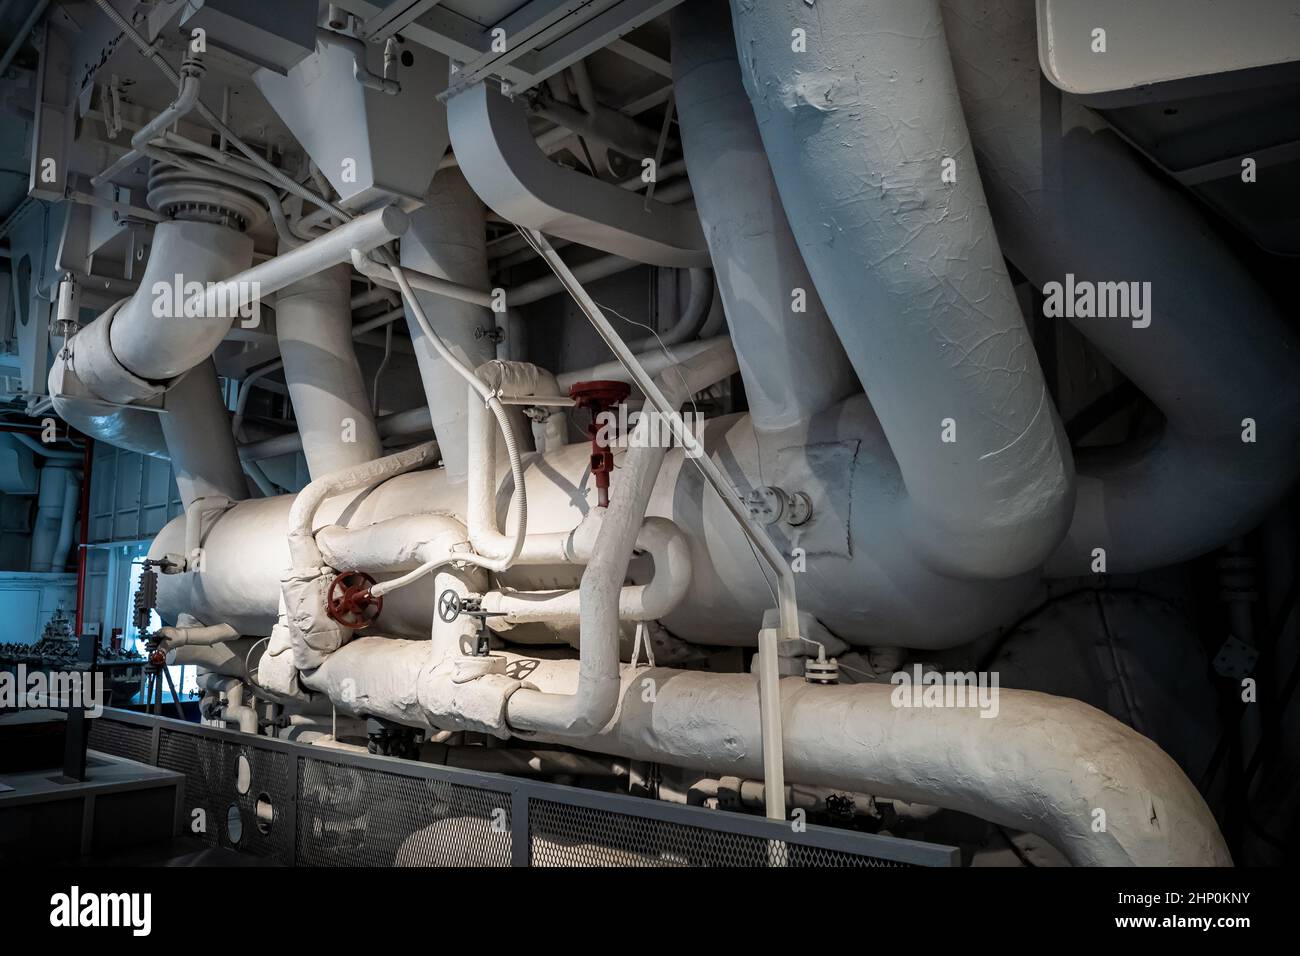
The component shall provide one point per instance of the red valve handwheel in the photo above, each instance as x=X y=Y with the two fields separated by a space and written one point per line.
x=598 y=397
x=350 y=602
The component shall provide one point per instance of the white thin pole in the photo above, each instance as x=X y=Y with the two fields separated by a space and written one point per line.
x=787 y=604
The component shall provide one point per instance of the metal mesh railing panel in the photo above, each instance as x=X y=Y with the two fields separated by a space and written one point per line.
x=352 y=816
x=121 y=740
x=221 y=795
x=346 y=810
x=567 y=835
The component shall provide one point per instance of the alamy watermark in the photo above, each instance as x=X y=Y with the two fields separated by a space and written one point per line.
x=1083 y=299
x=933 y=689
x=179 y=299
x=647 y=429
x=41 y=689
x=74 y=909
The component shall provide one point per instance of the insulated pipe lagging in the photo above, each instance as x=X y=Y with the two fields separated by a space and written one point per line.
x=303 y=550
x=1095 y=789
x=659 y=538
x=509 y=379
x=1047 y=765
x=591 y=704
x=197 y=636
x=1070 y=201
x=313 y=322
x=869 y=148
x=153 y=335
x=791 y=361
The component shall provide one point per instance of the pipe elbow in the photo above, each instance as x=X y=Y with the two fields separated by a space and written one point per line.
x=671 y=553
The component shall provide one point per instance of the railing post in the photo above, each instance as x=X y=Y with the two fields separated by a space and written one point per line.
x=520 y=839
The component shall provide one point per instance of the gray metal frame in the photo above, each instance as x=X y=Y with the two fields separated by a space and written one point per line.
x=544 y=36
x=521 y=796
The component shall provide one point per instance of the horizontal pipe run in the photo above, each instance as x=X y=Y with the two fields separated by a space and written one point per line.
x=409 y=423
x=334 y=247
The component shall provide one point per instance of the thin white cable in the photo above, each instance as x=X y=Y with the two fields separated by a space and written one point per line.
x=519 y=495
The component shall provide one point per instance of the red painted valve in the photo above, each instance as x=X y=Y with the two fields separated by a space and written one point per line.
x=598 y=397
x=350 y=602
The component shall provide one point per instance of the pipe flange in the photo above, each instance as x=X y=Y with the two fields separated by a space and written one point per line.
x=821 y=672
x=179 y=194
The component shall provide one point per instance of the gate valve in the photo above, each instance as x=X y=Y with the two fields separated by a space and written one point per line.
x=350 y=602
x=599 y=397
x=451 y=606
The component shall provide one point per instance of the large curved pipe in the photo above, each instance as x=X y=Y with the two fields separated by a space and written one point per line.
x=863 y=594
x=792 y=364
x=313 y=322
x=859 y=130
x=497 y=151
x=158 y=347
x=1085 y=204
x=1045 y=764
x=1097 y=790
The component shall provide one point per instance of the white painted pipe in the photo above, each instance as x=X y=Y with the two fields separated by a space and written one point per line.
x=689 y=319
x=791 y=361
x=313 y=323
x=50 y=502
x=302 y=542
x=44 y=450
x=225 y=658
x=187 y=98
x=196 y=426
x=357 y=50
x=197 y=636
x=156 y=348
x=336 y=246
x=67 y=522
x=505 y=380
x=234 y=710
x=654 y=361
x=1047 y=765
x=447 y=240
x=409 y=423
x=396 y=544
x=591 y=704
x=864 y=594
x=659 y=538
x=1068 y=200
x=196 y=512
x=858 y=130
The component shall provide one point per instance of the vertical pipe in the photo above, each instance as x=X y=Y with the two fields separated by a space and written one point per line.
x=196 y=426
x=1072 y=200
x=778 y=324
x=868 y=145
x=83 y=532
x=314 y=327
x=67 y=523
x=49 y=515
x=446 y=239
